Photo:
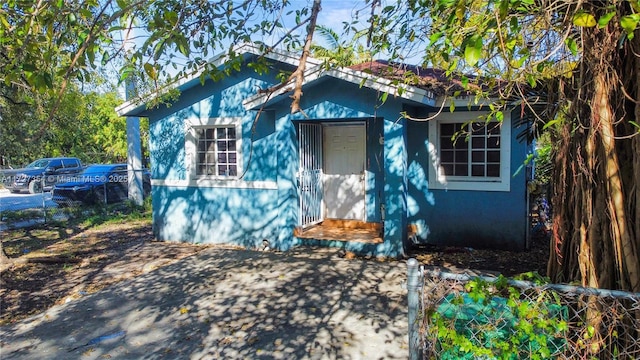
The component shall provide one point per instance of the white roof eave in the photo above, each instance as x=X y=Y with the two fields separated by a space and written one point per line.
x=135 y=106
x=363 y=79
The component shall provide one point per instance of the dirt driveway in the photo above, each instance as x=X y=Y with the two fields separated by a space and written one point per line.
x=230 y=304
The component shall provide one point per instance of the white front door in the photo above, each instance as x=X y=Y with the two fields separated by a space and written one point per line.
x=344 y=160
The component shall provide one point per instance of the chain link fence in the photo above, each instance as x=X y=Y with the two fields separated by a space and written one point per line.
x=25 y=209
x=20 y=210
x=458 y=316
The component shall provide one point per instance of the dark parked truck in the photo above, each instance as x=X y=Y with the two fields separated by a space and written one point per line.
x=41 y=174
x=98 y=184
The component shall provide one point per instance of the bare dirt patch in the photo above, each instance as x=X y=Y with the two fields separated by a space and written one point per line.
x=57 y=264
x=488 y=261
x=54 y=265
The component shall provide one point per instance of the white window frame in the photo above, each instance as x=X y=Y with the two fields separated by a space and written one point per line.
x=437 y=178
x=191 y=150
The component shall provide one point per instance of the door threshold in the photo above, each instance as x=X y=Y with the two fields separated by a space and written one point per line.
x=343 y=230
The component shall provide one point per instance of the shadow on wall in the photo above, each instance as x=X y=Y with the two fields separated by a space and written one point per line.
x=228 y=304
x=167 y=147
x=242 y=216
x=420 y=200
x=204 y=214
x=213 y=100
x=215 y=215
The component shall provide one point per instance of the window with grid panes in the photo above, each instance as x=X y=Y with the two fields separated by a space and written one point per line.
x=470 y=150
x=216 y=151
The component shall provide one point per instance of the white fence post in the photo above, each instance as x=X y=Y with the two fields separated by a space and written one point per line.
x=414 y=287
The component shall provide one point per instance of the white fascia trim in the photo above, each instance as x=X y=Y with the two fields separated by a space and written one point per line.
x=218 y=60
x=385 y=85
x=261 y=99
x=286 y=57
x=438 y=181
x=462 y=101
x=357 y=77
x=212 y=183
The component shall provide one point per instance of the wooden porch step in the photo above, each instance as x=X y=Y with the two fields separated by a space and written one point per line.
x=342 y=230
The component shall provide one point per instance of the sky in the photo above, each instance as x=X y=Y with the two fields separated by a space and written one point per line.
x=335 y=12
x=333 y=15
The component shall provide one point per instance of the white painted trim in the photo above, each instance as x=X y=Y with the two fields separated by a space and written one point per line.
x=384 y=85
x=191 y=153
x=217 y=60
x=260 y=99
x=440 y=181
x=462 y=101
x=215 y=183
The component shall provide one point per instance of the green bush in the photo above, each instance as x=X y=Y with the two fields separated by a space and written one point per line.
x=498 y=321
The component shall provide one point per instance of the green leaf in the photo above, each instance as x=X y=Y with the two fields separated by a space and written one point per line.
x=87 y=14
x=183 y=46
x=91 y=55
x=48 y=80
x=504 y=9
x=604 y=19
x=540 y=67
x=572 y=45
x=105 y=58
x=151 y=71
x=521 y=60
x=629 y=24
x=551 y=123
x=171 y=17
x=435 y=37
x=4 y=22
x=473 y=50
x=465 y=82
x=384 y=96
x=584 y=19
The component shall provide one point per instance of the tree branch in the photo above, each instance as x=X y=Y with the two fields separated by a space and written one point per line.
x=299 y=73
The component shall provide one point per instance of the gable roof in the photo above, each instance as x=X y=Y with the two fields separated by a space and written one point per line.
x=137 y=107
x=363 y=78
x=435 y=80
x=316 y=69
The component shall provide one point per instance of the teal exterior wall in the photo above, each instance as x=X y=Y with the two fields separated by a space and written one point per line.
x=265 y=203
x=214 y=215
x=334 y=101
x=242 y=216
x=477 y=219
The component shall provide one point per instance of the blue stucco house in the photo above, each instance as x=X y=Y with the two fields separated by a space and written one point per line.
x=231 y=164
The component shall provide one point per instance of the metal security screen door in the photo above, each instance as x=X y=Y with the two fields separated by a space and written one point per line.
x=310 y=174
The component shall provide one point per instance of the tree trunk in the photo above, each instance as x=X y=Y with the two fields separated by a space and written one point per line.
x=596 y=200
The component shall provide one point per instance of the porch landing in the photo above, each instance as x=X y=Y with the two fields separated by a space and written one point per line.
x=343 y=230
